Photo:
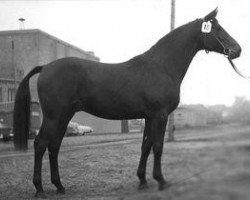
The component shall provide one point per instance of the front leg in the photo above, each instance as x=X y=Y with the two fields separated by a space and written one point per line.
x=159 y=127
x=147 y=143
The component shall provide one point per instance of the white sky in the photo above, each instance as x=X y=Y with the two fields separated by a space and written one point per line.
x=117 y=30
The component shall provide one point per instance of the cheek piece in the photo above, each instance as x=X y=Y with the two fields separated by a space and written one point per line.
x=206 y=29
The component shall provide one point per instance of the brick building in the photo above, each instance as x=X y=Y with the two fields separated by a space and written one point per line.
x=20 y=51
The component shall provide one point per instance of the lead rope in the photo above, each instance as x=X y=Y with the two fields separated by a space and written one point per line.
x=236 y=69
x=226 y=51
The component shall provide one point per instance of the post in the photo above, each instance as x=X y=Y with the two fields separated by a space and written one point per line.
x=13 y=62
x=124 y=126
x=172 y=24
x=171 y=115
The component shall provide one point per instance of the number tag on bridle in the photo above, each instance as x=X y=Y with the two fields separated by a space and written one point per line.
x=206 y=27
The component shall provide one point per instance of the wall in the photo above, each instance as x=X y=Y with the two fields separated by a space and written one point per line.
x=33 y=48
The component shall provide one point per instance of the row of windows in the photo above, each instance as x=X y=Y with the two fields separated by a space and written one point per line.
x=11 y=94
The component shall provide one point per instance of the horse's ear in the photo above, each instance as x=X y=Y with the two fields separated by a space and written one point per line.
x=211 y=15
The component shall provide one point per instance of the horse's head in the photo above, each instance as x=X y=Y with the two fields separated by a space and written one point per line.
x=215 y=38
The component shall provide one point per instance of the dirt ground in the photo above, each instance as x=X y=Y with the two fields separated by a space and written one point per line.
x=211 y=163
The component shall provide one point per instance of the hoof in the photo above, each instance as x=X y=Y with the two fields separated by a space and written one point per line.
x=164 y=185
x=60 y=191
x=142 y=186
x=40 y=195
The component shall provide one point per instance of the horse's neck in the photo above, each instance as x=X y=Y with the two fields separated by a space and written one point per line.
x=174 y=52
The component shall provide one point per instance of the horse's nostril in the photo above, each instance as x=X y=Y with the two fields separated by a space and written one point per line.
x=237 y=51
x=234 y=54
x=227 y=51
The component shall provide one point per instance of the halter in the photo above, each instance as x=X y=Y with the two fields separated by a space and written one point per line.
x=206 y=29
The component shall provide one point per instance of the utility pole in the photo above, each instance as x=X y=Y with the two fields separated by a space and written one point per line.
x=172 y=24
x=171 y=116
x=124 y=126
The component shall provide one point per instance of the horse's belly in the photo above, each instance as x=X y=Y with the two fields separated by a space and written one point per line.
x=115 y=110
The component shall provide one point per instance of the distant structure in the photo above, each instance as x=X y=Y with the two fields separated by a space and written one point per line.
x=20 y=51
x=198 y=115
x=21 y=23
x=191 y=116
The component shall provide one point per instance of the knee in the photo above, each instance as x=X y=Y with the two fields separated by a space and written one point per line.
x=146 y=148
x=40 y=148
x=35 y=142
x=40 y=143
x=53 y=151
x=157 y=148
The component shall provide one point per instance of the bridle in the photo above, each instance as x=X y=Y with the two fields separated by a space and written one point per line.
x=226 y=51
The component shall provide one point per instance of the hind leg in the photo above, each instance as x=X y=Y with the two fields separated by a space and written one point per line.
x=44 y=139
x=53 y=158
x=54 y=148
x=40 y=145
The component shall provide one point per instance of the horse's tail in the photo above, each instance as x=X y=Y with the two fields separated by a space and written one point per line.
x=21 y=119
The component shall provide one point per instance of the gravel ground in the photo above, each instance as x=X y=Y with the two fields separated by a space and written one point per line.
x=206 y=164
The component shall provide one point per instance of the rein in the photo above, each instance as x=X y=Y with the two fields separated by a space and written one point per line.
x=226 y=52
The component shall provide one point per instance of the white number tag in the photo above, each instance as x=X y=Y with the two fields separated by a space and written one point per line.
x=206 y=27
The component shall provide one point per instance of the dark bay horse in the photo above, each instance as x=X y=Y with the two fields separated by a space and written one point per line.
x=147 y=86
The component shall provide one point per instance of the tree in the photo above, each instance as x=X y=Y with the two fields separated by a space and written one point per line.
x=240 y=110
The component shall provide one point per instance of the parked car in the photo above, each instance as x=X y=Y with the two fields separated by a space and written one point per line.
x=72 y=129
x=6 y=132
x=84 y=129
x=75 y=129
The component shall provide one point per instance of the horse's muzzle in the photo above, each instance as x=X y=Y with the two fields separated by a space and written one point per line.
x=232 y=54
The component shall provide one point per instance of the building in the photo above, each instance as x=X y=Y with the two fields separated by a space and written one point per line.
x=190 y=116
x=216 y=114
x=20 y=51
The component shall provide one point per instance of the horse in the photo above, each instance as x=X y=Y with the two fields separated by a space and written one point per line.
x=145 y=87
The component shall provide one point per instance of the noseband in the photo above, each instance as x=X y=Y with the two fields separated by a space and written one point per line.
x=226 y=51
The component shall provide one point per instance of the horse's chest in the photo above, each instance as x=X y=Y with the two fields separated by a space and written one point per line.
x=165 y=97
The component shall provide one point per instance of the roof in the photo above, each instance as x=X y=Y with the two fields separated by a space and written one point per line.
x=35 y=31
x=192 y=108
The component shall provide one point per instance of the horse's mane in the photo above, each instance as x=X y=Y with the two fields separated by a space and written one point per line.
x=173 y=37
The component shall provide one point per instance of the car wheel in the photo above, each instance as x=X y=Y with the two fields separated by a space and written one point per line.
x=6 y=139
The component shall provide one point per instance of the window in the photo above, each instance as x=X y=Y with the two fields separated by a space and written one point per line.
x=11 y=94
x=1 y=94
